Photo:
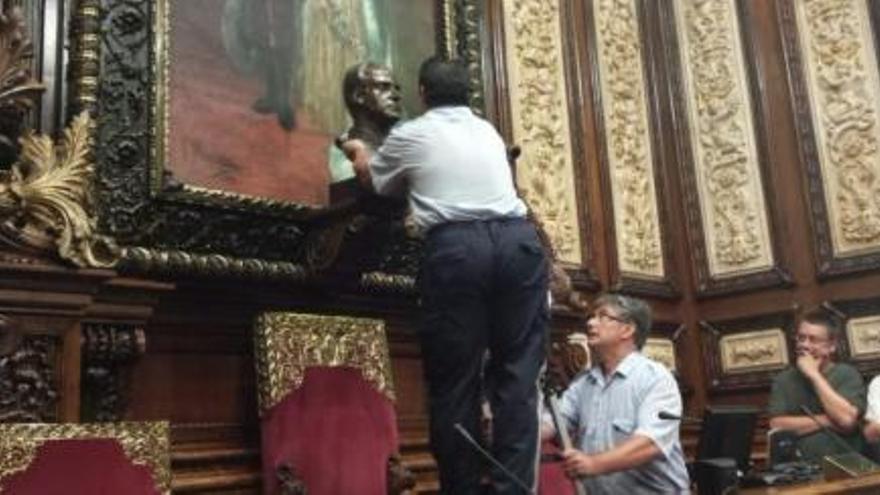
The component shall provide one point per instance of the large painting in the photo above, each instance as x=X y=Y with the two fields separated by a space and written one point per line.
x=255 y=98
x=216 y=118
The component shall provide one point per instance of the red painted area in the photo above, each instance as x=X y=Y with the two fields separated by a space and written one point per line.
x=215 y=139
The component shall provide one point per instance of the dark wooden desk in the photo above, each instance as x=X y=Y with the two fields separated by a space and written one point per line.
x=866 y=485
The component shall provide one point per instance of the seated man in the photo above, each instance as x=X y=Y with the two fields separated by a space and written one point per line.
x=622 y=445
x=833 y=392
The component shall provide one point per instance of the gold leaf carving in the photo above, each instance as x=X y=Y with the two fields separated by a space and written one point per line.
x=145 y=444
x=46 y=199
x=842 y=79
x=722 y=133
x=630 y=157
x=758 y=350
x=288 y=343
x=541 y=120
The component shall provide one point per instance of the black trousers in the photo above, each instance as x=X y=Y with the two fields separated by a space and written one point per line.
x=484 y=287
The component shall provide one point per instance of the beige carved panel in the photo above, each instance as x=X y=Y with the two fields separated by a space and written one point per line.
x=628 y=138
x=841 y=72
x=662 y=351
x=722 y=131
x=540 y=119
x=759 y=350
x=863 y=335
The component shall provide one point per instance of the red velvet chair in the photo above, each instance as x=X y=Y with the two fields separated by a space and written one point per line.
x=326 y=404
x=84 y=459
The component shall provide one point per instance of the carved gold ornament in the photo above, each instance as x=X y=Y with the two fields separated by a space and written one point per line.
x=286 y=344
x=46 y=199
x=145 y=444
x=541 y=120
x=628 y=137
x=726 y=164
x=842 y=78
x=759 y=350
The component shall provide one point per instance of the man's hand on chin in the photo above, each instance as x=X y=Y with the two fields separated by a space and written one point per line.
x=808 y=365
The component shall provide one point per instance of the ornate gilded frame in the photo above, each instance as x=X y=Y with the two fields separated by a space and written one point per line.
x=286 y=344
x=145 y=444
x=828 y=263
x=169 y=228
x=746 y=337
x=707 y=284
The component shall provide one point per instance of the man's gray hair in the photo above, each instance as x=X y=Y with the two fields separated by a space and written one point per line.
x=631 y=310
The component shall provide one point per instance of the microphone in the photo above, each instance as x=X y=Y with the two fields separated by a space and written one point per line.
x=666 y=415
x=495 y=462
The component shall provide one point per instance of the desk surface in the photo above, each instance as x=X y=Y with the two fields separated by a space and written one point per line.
x=867 y=485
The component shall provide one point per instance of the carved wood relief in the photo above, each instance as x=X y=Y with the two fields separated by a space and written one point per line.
x=757 y=350
x=630 y=155
x=835 y=83
x=541 y=121
x=28 y=381
x=661 y=350
x=747 y=352
x=863 y=337
x=722 y=131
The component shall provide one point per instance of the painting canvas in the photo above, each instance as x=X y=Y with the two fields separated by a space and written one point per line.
x=254 y=97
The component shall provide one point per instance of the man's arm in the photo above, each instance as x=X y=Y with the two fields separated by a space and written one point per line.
x=802 y=425
x=840 y=412
x=630 y=453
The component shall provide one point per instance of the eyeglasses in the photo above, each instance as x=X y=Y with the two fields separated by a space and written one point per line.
x=605 y=317
x=812 y=339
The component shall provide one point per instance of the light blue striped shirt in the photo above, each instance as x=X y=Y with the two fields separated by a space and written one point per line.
x=452 y=164
x=606 y=411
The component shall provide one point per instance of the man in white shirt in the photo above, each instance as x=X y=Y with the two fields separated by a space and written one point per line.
x=483 y=280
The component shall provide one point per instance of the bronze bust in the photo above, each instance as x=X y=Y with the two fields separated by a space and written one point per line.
x=373 y=101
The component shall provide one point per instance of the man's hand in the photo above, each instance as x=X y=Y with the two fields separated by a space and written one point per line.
x=577 y=464
x=808 y=365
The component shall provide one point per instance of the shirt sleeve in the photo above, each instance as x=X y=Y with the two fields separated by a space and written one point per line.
x=663 y=395
x=390 y=164
x=872 y=413
x=852 y=388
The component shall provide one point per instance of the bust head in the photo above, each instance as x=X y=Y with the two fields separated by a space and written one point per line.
x=371 y=95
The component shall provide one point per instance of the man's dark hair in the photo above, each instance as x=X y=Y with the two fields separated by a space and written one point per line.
x=822 y=317
x=444 y=82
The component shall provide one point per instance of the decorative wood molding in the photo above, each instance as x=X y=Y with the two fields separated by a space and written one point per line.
x=835 y=87
x=108 y=352
x=722 y=147
x=541 y=122
x=861 y=343
x=746 y=353
x=29 y=388
x=663 y=351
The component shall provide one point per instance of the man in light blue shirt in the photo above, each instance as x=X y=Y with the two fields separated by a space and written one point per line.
x=623 y=446
x=483 y=280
